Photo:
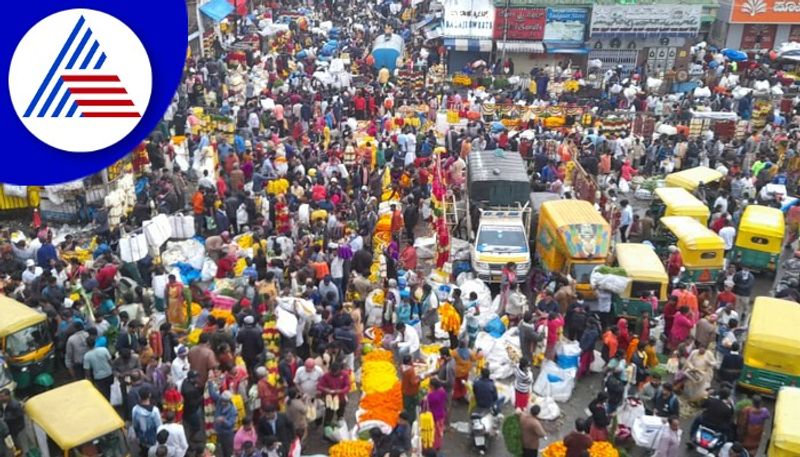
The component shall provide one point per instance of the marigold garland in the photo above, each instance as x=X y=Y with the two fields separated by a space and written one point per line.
x=451 y=321
x=598 y=449
x=383 y=398
x=351 y=448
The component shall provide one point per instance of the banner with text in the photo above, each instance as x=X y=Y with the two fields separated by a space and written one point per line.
x=525 y=24
x=468 y=19
x=566 y=25
x=646 y=19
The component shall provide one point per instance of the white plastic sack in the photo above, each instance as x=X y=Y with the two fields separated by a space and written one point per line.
x=209 y=270
x=598 y=365
x=286 y=323
x=740 y=92
x=702 y=92
x=668 y=130
x=549 y=409
x=133 y=248
x=628 y=412
x=182 y=226
x=646 y=430
x=555 y=382
x=11 y=190
x=776 y=90
x=654 y=83
x=761 y=86
x=487 y=310
x=612 y=283
x=157 y=230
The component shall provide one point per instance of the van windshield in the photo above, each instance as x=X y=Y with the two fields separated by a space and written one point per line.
x=502 y=239
x=582 y=272
x=109 y=445
x=28 y=340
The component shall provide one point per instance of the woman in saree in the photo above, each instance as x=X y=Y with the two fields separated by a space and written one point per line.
x=437 y=405
x=177 y=308
x=750 y=424
x=699 y=372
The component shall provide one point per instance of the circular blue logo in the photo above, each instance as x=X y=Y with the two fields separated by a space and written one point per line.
x=87 y=81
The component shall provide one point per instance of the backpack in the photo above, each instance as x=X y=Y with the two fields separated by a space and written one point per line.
x=347 y=338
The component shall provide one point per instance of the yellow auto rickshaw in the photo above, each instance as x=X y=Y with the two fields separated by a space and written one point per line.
x=646 y=276
x=772 y=348
x=759 y=238
x=702 y=250
x=691 y=178
x=676 y=201
x=27 y=344
x=785 y=438
x=76 y=420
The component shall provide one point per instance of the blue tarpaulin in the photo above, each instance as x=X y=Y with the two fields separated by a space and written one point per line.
x=217 y=10
x=734 y=55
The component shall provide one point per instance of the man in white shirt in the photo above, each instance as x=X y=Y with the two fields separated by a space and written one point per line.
x=728 y=235
x=307 y=378
x=180 y=366
x=407 y=340
x=722 y=202
x=177 y=435
x=31 y=272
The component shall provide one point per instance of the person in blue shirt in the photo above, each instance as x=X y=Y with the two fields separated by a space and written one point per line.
x=485 y=392
x=46 y=253
x=225 y=416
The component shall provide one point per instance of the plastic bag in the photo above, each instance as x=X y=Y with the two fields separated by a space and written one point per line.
x=646 y=430
x=598 y=364
x=629 y=412
x=209 y=270
x=555 y=382
x=624 y=187
x=567 y=354
x=495 y=327
x=549 y=411
x=116 y=393
x=612 y=283
x=286 y=323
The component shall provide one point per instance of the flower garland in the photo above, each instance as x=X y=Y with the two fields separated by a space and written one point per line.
x=598 y=449
x=383 y=398
x=451 y=321
x=351 y=448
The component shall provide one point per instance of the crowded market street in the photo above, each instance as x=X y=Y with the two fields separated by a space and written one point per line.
x=427 y=228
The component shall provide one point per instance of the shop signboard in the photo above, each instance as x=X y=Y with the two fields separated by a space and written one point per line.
x=566 y=25
x=526 y=24
x=765 y=12
x=468 y=19
x=540 y=3
x=646 y=19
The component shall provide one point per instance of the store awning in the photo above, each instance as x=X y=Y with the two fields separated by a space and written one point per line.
x=468 y=44
x=217 y=10
x=566 y=50
x=530 y=47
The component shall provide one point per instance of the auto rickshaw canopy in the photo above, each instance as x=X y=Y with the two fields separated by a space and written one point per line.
x=773 y=342
x=786 y=426
x=680 y=202
x=641 y=262
x=763 y=221
x=73 y=414
x=691 y=178
x=693 y=235
x=15 y=316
